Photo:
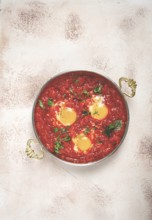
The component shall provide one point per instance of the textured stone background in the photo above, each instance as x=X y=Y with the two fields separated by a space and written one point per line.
x=40 y=39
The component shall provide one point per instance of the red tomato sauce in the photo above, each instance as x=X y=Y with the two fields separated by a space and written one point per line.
x=76 y=90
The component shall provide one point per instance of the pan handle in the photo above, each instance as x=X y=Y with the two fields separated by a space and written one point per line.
x=31 y=153
x=131 y=83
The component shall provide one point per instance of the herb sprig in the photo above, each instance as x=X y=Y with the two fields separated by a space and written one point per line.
x=58 y=146
x=112 y=127
x=98 y=89
x=67 y=138
x=62 y=137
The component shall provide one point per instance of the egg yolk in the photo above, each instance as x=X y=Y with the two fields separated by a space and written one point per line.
x=98 y=110
x=82 y=142
x=67 y=116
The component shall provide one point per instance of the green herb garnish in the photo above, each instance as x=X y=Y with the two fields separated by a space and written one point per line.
x=41 y=104
x=56 y=129
x=87 y=130
x=95 y=113
x=118 y=124
x=67 y=138
x=97 y=89
x=64 y=95
x=77 y=80
x=112 y=127
x=50 y=102
x=57 y=146
x=85 y=92
x=85 y=112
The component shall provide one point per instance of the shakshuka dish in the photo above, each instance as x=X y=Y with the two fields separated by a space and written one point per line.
x=80 y=117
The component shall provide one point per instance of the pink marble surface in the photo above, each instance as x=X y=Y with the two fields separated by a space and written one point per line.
x=40 y=39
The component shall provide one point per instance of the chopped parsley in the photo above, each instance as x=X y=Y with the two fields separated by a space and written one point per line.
x=57 y=146
x=95 y=113
x=85 y=92
x=56 y=129
x=98 y=89
x=87 y=130
x=112 y=127
x=85 y=112
x=50 y=102
x=41 y=104
x=67 y=138
x=77 y=80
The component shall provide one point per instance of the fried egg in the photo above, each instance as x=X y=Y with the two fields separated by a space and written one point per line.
x=98 y=109
x=66 y=115
x=82 y=142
